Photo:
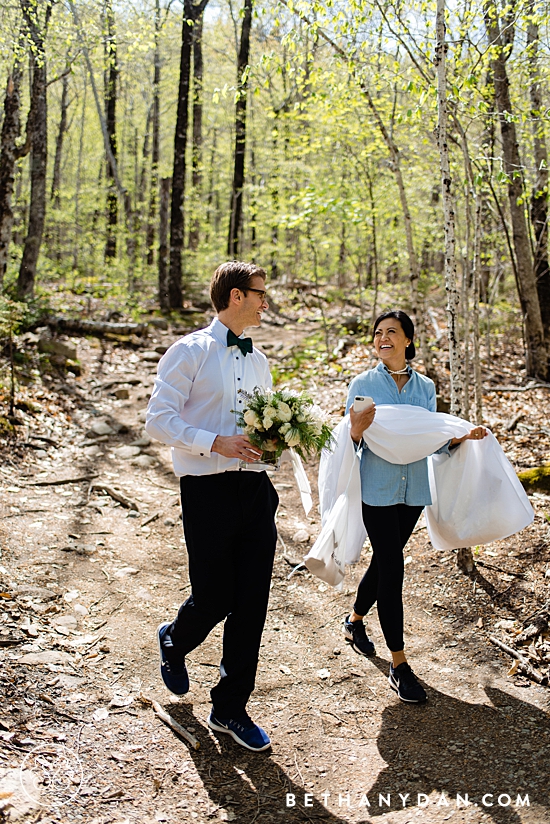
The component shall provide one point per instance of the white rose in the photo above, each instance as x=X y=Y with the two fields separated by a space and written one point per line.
x=251 y=418
x=284 y=412
x=284 y=428
x=292 y=437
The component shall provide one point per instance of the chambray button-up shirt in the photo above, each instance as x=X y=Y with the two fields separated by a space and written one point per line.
x=383 y=483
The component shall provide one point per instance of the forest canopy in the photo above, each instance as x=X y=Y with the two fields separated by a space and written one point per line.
x=142 y=143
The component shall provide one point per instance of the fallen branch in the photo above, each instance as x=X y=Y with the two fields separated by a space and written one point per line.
x=61 y=481
x=171 y=722
x=45 y=439
x=511 y=425
x=114 y=493
x=500 y=569
x=151 y=518
x=129 y=381
x=523 y=663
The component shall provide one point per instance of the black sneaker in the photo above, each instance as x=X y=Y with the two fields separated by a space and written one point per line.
x=243 y=730
x=174 y=675
x=403 y=680
x=355 y=635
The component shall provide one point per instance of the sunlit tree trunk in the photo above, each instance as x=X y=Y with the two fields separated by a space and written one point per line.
x=212 y=199
x=10 y=152
x=191 y=12
x=448 y=212
x=500 y=41
x=196 y=154
x=110 y=95
x=236 y=211
x=155 y=144
x=163 y=253
x=77 y=234
x=539 y=198
x=56 y=177
x=39 y=145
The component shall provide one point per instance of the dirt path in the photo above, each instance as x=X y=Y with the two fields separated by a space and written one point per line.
x=85 y=582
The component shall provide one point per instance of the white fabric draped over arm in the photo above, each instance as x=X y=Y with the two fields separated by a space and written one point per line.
x=477 y=497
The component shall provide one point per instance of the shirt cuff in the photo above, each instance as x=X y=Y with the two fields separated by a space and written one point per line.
x=445 y=449
x=203 y=442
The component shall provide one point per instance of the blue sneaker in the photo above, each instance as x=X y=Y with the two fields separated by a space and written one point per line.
x=174 y=676
x=243 y=730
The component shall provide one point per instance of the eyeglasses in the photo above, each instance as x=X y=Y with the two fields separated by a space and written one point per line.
x=261 y=292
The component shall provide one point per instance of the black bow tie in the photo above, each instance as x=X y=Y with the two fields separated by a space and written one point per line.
x=244 y=344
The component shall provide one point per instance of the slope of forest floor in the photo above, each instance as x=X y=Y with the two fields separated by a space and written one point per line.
x=85 y=579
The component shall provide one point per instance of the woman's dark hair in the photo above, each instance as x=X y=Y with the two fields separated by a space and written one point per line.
x=406 y=324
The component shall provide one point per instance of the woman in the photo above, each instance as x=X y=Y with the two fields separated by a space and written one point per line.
x=393 y=496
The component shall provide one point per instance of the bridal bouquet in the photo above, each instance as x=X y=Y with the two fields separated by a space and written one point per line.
x=284 y=419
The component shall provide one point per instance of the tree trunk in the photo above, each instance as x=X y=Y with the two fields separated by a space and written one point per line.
x=9 y=154
x=476 y=291
x=236 y=212
x=374 y=248
x=448 y=211
x=196 y=155
x=536 y=353
x=274 y=185
x=56 y=178
x=110 y=95
x=177 y=224
x=163 y=258
x=212 y=199
x=155 y=154
x=253 y=206
x=39 y=142
x=539 y=198
x=77 y=235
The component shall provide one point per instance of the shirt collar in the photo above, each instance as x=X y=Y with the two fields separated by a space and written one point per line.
x=219 y=331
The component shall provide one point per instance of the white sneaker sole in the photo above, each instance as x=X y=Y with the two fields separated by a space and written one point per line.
x=349 y=639
x=236 y=738
x=395 y=688
x=161 y=626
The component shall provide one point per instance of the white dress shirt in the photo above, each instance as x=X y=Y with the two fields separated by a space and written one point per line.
x=195 y=395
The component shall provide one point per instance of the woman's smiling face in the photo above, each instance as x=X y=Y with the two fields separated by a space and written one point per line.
x=390 y=341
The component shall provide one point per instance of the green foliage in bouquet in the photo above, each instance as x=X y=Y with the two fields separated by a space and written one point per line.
x=284 y=419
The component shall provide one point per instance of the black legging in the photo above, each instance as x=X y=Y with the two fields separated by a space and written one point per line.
x=389 y=528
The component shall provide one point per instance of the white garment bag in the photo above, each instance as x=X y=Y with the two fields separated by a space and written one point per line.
x=343 y=534
x=476 y=495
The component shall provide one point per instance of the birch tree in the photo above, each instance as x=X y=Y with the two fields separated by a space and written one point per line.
x=448 y=212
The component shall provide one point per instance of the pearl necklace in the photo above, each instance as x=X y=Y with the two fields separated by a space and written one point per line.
x=404 y=371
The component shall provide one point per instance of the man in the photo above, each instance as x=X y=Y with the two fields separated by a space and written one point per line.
x=228 y=505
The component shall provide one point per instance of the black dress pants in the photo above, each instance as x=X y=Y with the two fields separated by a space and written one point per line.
x=229 y=526
x=389 y=528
